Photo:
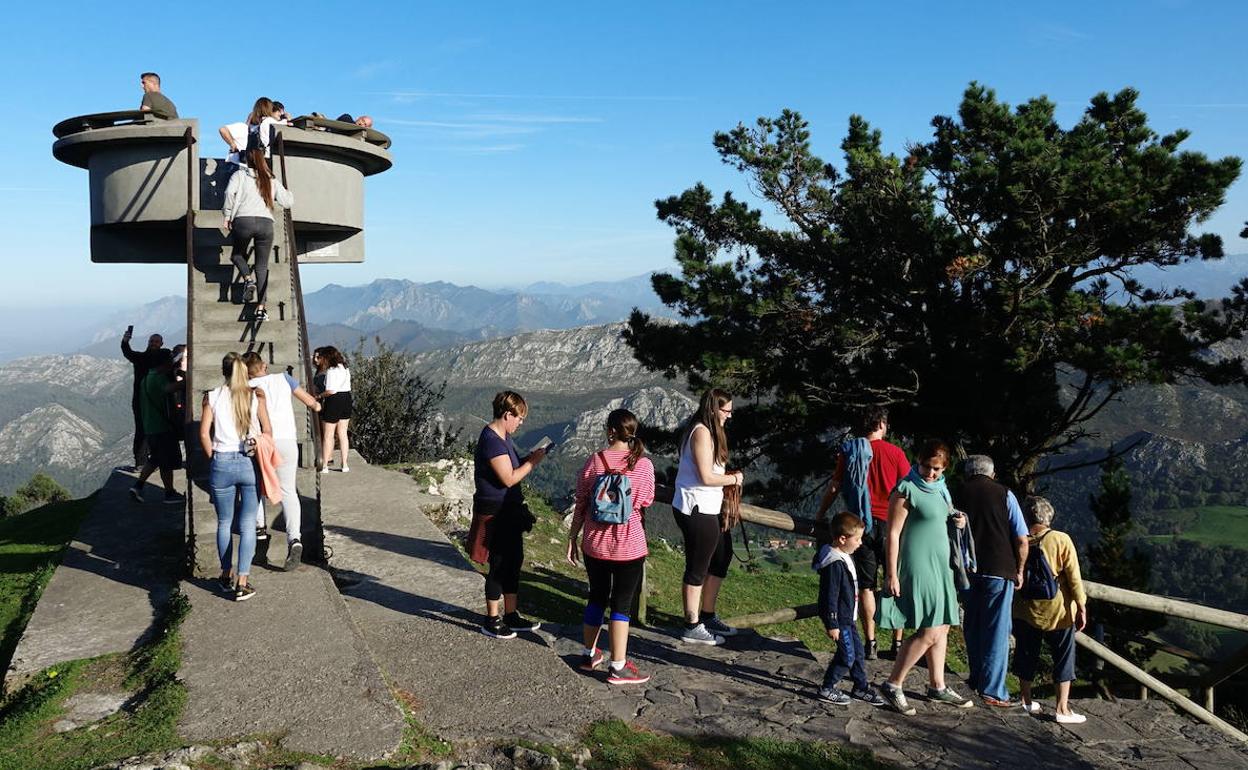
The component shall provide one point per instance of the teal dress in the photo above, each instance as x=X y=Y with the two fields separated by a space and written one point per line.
x=927 y=596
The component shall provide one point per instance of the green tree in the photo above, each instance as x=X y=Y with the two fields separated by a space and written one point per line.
x=40 y=489
x=395 y=415
x=980 y=286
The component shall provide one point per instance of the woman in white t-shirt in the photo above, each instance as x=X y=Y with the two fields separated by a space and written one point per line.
x=231 y=413
x=335 y=406
x=278 y=390
x=700 y=482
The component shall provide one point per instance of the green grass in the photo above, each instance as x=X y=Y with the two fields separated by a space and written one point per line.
x=147 y=723
x=30 y=548
x=1211 y=525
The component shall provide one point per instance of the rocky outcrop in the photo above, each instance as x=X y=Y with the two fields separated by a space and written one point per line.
x=53 y=435
x=654 y=406
x=84 y=375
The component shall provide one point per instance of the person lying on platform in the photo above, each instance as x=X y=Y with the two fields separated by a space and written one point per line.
x=362 y=121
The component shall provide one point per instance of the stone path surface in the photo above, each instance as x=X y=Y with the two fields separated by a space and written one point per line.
x=419 y=604
x=104 y=596
x=288 y=661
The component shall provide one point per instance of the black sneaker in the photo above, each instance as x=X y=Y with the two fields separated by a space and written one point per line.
x=517 y=623
x=137 y=494
x=261 y=315
x=496 y=628
x=244 y=592
x=868 y=696
x=262 y=533
x=249 y=291
x=173 y=498
x=294 y=555
x=833 y=696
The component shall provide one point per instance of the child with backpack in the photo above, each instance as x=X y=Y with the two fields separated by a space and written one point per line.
x=614 y=487
x=838 y=608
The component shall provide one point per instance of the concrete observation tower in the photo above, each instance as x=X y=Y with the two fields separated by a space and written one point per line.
x=156 y=198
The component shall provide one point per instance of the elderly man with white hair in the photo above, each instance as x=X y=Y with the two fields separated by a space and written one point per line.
x=1053 y=620
x=1000 y=538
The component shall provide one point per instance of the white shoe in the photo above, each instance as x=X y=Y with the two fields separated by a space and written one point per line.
x=1070 y=719
x=1032 y=708
x=325 y=469
x=345 y=469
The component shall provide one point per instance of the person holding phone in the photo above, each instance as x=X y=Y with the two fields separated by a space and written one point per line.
x=143 y=361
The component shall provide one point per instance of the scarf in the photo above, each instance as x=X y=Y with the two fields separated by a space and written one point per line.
x=936 y=487
x=857 y=453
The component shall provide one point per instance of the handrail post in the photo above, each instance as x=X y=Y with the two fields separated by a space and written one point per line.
x=188 y=411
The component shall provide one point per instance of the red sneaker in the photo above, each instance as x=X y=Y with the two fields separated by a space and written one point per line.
x=627 y=675
x=591 y=662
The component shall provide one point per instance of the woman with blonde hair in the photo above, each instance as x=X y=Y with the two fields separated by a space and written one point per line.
x=231 y=414
x=248 y=212
x=700 y=482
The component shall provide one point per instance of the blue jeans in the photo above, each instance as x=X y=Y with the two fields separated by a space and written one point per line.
x=232 y=482
x=849 y=659
x=987 y=631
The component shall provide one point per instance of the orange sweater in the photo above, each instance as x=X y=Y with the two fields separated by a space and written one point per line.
x=267 y=460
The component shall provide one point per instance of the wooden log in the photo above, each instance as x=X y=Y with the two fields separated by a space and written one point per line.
x=783 y=615
x=1209 y=699
x=1157 y=686
x=1166 y=606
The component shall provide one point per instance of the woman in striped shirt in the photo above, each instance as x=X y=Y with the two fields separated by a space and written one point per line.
x=614 y=554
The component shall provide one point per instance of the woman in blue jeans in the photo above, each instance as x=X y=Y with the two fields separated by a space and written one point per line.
x=232 y=413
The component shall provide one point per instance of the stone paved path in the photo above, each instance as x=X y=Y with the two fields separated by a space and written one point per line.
x=104 y=596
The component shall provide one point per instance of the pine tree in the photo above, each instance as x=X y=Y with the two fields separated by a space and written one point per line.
x=396 y=417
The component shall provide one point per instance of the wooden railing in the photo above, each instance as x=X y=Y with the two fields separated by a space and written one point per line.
x=1165 y=605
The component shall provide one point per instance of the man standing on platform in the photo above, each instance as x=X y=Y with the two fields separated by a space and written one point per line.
x=867 y=469
x=1000 y=537
x=153 y=100
x=142 y=361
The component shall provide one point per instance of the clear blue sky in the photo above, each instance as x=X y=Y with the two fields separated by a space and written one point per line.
x=531 y=139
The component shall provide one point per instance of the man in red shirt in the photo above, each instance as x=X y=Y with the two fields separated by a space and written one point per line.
x=888 y=465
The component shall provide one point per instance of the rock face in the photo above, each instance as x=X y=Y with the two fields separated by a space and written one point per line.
x=585 y=359
x=85 y=375
x=52 y=435
x=654 y=406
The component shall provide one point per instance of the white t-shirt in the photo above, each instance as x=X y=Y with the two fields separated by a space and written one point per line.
x=338 y=379
x=277 y=390
x=225 y=436
x=238 y=132
x=690 y=490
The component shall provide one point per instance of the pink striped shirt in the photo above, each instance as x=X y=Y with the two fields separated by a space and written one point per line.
x=614 y=542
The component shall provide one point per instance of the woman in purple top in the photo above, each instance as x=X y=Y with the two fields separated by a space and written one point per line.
x=499 y=515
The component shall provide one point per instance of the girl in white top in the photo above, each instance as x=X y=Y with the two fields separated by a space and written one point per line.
x=335 y=405
x=278 y=391
x=700 y=482
x=230 y=413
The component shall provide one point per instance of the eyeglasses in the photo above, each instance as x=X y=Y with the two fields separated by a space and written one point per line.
x=725 y=411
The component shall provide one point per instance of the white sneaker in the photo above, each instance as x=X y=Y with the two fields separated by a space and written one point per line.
x=1032 y=708
x=1069 y=719
x=699 y=635
x=325 y=469
x=345 y=469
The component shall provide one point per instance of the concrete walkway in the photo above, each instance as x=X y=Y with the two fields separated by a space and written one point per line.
x=119 y=569
x=288 y=661
x=419 y=604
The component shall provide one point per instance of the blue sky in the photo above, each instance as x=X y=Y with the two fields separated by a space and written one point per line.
x=530 y=140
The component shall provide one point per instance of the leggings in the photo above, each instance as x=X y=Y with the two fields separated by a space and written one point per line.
x=506 y=557
x=707 y=550
x=242 y=232
x=613 y=584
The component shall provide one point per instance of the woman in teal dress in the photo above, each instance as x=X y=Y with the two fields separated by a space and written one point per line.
x=919 y=580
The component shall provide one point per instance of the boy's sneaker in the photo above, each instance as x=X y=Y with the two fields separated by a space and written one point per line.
x=895 y=699
x=137 y=494
x=249 y=291
x=173 y=498
x=699 y=635
x=717 y=626
x=873 y=650
x=591 y=662
x=626 y=674
x=868 y=696
x=833 y=696
x=496 y=628
x=517 y=623
x=294 y=555
x=947 y=695
x=244 y=592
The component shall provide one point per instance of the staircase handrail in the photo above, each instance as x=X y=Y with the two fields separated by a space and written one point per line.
x=188 y=392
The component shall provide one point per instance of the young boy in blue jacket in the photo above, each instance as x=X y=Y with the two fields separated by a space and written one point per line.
x=838 y=607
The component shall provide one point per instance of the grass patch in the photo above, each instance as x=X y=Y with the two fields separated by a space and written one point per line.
x=148 y=722
x=31 y=545
x=1210 y=525
x=615 y=744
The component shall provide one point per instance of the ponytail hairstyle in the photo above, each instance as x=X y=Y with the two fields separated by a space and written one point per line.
x=264 y=177
x=713 y=400
x=235 y=372
x=622 y=425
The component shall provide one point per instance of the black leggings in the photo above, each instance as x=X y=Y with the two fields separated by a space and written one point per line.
x=613 y=584
x=707 y=550
x=506 y=557
x=242 y=231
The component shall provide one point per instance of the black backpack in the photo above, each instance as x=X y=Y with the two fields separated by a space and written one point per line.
x=1039 y=582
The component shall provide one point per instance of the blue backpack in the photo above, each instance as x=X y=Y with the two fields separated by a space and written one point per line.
x=1039 y=582
x=613 y=495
